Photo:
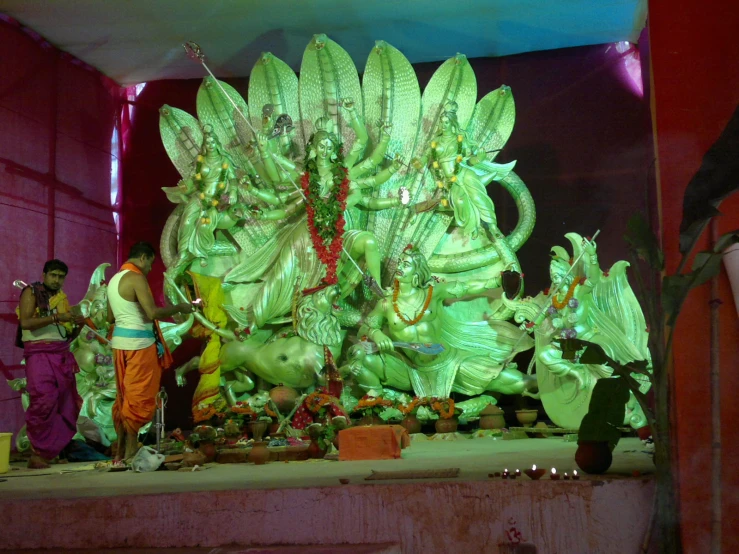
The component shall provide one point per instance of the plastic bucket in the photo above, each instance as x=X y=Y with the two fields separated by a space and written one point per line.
x=5 y=451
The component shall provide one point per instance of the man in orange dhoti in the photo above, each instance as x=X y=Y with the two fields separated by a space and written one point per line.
x=139 y=351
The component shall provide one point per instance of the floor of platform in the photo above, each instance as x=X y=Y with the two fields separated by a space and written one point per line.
x=476 y=459
x=338 y=549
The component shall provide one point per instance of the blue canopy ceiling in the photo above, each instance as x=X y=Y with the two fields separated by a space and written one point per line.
x=133 y=41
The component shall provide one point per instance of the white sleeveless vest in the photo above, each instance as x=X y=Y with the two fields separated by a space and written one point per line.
x=133 y=330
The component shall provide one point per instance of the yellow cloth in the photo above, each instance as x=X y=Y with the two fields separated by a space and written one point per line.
x=60 y=302
x=210 y=290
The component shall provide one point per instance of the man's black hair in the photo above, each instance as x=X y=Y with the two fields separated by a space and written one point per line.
x=141 y=249
x=51 y=265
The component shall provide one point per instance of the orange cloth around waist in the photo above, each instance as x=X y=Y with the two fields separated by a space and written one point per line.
x=374 y=442
x=138 y=376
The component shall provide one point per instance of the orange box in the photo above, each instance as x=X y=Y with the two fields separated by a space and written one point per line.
x=374 y=442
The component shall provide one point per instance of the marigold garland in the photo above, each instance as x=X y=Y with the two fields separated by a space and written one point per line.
x=326 y=215
x=427 y=302
x=407 y=409
x=204 y=414
x=559 y=305
x=368 y=402
x=242 y=408
x=444 y=407
x=317 y=400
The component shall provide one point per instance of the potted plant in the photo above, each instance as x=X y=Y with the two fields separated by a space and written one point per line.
x=599 y=431
x=323 y=436
x=410 y=415
x=203 y=438
x=662 y=295
x=447 y=412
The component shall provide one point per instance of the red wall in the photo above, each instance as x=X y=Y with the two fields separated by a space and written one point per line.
x=695 y=69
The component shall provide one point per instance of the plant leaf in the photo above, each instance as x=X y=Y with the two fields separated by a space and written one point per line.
x=643 y=241
x=716 y=179
x=706 y=265
x=674 y=290
x=606 y=412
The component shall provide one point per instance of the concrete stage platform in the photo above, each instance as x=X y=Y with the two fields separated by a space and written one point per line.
x=304 y=503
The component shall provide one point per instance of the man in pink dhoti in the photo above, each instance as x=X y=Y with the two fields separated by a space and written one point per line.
x=46 y=328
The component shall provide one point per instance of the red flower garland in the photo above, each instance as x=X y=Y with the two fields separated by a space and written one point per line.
x=328 y=254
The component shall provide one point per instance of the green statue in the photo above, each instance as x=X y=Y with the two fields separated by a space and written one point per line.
x=591 y=305
x=210 y=197
x=331 y=186
x=414 y=313
x=326 y=210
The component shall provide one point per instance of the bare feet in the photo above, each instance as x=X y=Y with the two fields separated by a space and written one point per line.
x=37 y=462
x=132 y=446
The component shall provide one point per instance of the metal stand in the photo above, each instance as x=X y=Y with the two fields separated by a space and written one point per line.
x=161 y=402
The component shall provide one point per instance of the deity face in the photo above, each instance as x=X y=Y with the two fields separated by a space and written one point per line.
x=99 y=312
x=210 y=144
x=324 y=148
x=267 y=117
x=406 y=269
x=445 y=123
x=557 y=272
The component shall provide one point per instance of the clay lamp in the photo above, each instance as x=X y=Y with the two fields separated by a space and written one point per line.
x=575 y=476
x=505 y=474
x=554 y=475
x=518 y=473
x=535 y=474
x=566 y=476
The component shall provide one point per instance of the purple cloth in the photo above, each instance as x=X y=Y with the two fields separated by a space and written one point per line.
x=51 y=418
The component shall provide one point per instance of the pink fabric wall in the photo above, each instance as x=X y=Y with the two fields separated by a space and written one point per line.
x=57 y=165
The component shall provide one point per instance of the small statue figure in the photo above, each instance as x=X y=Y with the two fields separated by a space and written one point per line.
x=461 y=173
x=210 y=196
x=587 y=304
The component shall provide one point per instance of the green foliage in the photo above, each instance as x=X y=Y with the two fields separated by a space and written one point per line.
x=676 y=287
x=716 y=179
x=606 y=412
x=391 y=414
x=643 y=242
x=706 y=265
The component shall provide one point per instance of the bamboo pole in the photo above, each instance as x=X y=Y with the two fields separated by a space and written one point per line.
x=715 y=406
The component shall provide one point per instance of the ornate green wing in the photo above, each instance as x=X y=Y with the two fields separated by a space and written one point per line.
x=181 y=136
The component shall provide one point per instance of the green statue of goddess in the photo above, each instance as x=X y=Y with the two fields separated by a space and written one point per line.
x=210 y=196
x=332 y=187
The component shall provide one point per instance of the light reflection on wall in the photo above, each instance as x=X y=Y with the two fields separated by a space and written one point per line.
x=631 y=68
